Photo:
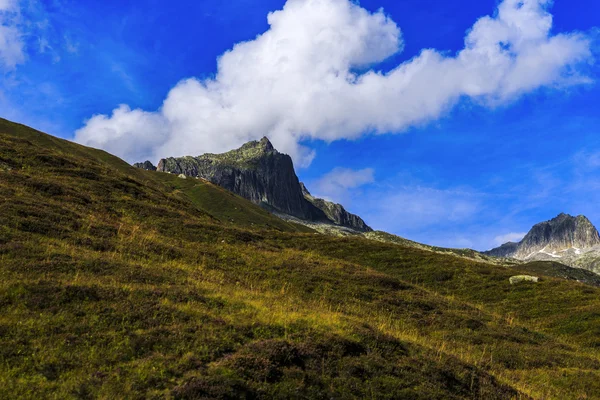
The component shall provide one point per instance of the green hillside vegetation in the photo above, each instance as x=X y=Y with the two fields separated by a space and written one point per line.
x=224 y=205
x=465 y=253
x=122 y=283
x=551 y=268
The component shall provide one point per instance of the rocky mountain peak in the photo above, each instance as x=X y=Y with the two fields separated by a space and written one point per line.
x=560 y=233
x=147 y=165
x=553 y=239
x=261 y=174
x=266 y=144
x=255 y=148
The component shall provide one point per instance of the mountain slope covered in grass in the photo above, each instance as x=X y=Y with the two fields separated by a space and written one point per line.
x=121 y=283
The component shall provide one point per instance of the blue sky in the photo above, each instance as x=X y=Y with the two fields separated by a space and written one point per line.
x=472 y=164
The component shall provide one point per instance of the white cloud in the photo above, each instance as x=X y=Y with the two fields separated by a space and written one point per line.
x=114 y=133
x=26 y=29
x=336 y=184
x=11 y=41
x=509 y=237
x=299 y=81
x=7 y=5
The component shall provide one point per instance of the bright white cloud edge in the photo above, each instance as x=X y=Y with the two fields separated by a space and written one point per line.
x=297 y=81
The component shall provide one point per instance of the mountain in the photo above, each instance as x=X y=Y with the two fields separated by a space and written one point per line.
x=147 y=165
x=573 y=241
x=507 y=250
x=336 y=213
x=118 y=282
x=261 y=174
x=562 y=233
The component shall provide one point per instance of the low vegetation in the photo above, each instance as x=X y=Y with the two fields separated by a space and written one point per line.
x=123 y=283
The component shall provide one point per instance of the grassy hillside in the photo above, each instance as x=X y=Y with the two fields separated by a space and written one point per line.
x=122 y=283
x=464 y=253
x=224 y=205
x=221 y=204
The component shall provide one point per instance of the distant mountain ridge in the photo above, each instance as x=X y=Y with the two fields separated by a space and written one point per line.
x=507 y=250
x=263 y=175
x=573 y=241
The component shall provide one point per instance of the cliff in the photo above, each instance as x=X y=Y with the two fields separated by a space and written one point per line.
x=261 y=174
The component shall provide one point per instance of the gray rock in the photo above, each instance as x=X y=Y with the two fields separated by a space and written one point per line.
x=572 y=241
x=523 y=278
x=560 y=233
x=147 y=165
x=261 y=174
x=336 y=212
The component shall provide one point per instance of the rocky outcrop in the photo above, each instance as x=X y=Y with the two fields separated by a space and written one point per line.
x=261 y=174
x=336 y=212
x=147 y=165
x=523 y=278
x=561 y=233
x=573 y=241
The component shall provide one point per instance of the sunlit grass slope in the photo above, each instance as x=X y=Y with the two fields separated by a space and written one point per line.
x=122 y=283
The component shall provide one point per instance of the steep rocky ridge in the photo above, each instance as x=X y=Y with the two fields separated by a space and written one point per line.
x=573 y=241
x=261 y=174
x=336 y=212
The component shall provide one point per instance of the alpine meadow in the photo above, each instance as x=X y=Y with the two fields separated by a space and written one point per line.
x=302 y=206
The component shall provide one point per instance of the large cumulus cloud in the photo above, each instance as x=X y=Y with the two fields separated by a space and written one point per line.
x=313 y=75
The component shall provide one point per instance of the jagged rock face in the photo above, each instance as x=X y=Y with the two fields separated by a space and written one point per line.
x=147 y=165
x=561 y=233
x=261 y=174
x=336 y=212
x=573 y=241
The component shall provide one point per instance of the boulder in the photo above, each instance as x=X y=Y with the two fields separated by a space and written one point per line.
x=523 y=278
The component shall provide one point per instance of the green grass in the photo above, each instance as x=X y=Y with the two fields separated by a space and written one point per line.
x=122 y=283
x=228 y=207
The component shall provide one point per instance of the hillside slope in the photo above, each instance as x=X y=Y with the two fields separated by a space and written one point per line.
x=226 y=206
x=121 y=283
